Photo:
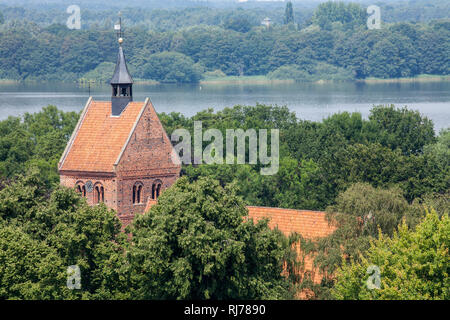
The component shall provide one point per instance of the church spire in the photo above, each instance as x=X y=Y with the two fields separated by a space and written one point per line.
x=121 y=81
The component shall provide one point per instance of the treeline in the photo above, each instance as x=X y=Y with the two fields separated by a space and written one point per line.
x=333 y=45
x=167 y=15
x=318 y=160
x=370 y=175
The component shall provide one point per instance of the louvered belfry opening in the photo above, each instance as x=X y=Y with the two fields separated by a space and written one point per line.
x=122 y=85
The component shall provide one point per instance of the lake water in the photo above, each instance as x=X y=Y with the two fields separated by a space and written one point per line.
x=308 y=101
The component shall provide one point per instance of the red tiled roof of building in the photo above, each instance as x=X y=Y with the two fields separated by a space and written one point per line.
x=310 y=224
x=99 y=138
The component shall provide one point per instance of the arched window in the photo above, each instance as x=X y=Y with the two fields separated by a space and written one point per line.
x=99 y=193
x=80 y=188
x=96 y=194
x=137 y=193
x=156 y=189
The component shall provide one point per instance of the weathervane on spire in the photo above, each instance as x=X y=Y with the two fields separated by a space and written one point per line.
x=118 y=29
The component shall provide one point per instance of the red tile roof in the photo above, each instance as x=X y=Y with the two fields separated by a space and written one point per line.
x=99 y=137
x=310 y=224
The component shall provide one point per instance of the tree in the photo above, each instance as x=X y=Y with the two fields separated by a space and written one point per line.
x=289 y=13
x=413 y=264
x=358 y=214
x=196 y=243
x=350 y=15
x=441 y=149
x=239 y=24
x=171 y=67
x=37 y=141
x=52 y=232
x=29 y=269
x=399 y=128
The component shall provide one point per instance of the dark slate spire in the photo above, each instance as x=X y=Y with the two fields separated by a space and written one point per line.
x=121 y=74
x=122 y=84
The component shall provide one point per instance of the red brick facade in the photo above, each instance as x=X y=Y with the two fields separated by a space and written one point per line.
x=126 y=158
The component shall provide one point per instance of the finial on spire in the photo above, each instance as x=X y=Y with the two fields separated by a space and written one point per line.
x=121 y=82
x=118 y=28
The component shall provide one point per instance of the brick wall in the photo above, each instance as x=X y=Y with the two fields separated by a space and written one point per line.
x=109 y=186
x=146 y=160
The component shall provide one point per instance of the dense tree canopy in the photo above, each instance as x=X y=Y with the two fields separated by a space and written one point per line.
x=37 y=141
x=289 y=13
x=333 y=45
x=350 y=14
x=196 y=244
x=42 y=234
x=413 y=264
x=171 y=67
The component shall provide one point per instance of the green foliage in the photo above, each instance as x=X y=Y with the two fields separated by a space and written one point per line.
x=29 y=269
x=288 y=13
x=369 y=173
x=171 y=67
x=330 y=155
x=401 y=128
x=231 y=41
x=37 y=141
x=101 y=74
x=317 y=71
x=351 y=14
x=414 y=265
x=196 y=244
x=214 y=74
x=295 y=185
x=43 y=234
x=361 y=213
x=441 y=149
x=239 y=24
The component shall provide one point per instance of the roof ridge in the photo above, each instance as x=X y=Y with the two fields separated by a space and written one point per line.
x=278 y=208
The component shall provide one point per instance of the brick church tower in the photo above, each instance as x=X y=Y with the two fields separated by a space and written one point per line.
x=119 y=152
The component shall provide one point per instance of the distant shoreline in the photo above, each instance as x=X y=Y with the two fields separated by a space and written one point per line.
x=262 y=80
x=420 y=78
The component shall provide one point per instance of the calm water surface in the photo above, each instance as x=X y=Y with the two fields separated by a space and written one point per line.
x=308 y=101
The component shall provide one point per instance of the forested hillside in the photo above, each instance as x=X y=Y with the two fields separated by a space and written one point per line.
x=330 y=43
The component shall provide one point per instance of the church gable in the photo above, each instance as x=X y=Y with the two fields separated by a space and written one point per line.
x=148 y=150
